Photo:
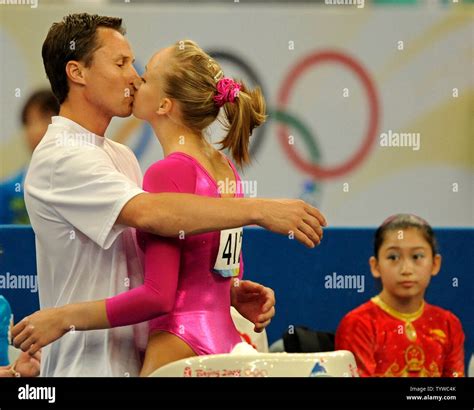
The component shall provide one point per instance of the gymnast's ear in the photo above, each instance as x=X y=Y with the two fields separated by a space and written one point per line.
x=75 y=72
x=374 y=267
x=165 y=107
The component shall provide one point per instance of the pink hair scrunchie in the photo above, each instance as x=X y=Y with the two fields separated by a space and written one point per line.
x=227 y=91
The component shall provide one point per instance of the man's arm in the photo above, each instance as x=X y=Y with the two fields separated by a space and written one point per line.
x=169 y=215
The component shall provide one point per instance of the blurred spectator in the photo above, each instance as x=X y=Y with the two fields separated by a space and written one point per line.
x=35 y=118
x=25 y=365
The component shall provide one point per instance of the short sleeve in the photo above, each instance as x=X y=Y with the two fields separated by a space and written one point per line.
x=89 y=193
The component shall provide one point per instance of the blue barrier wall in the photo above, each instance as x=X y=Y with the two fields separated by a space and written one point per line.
x=297 y=275
x=17 y=257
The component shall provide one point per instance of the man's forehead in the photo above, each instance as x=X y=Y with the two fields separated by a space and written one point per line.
x=113 y=43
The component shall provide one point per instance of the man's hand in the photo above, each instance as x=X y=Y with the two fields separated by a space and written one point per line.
x=27 y=365
x=292 y=217
x=254 y=302
x=38 y=330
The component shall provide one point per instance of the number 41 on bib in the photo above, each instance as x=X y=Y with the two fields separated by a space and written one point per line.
x=228 y=258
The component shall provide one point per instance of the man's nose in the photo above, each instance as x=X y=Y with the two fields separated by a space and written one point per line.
x=134 y=77
x=137 y=82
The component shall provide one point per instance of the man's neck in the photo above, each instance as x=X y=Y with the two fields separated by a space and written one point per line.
x=86 y=116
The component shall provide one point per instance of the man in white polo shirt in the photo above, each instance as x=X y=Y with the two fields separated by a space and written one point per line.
x=83 y=195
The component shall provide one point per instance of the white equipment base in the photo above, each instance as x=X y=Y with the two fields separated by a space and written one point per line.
x=328 y=364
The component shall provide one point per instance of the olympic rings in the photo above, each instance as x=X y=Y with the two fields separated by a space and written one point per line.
x=283 y=97
x=289 y=119
x=309 y=167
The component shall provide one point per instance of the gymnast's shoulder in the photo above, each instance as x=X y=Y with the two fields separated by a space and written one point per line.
x=174 y=173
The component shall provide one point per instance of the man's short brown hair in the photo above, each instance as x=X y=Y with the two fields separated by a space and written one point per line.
x=73 y=38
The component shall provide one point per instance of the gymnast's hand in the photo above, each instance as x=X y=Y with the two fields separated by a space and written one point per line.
x=254 y=302
x=27 y=365
x=38 y=330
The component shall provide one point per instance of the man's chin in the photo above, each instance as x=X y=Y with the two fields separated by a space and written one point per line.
x=125 y=112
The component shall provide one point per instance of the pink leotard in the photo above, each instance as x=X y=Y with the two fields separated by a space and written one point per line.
x=181 y=293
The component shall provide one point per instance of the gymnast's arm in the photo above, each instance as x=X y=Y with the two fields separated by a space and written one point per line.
x=155 y=297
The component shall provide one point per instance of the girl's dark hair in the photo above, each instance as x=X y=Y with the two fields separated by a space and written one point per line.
x=405 y=221
x=73 y=38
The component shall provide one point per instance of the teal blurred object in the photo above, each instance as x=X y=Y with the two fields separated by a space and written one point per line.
x=12 y=203
x=5 y=321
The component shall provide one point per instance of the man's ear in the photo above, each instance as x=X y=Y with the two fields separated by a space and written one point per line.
x=75 y=72
x=374 y=267
x=166 y=105
x=436 y=264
